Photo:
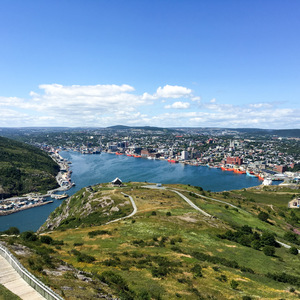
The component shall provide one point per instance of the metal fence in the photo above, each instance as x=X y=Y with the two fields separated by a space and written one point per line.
x=35 y=283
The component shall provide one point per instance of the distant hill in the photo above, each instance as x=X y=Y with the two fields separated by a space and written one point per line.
x=150 y=128
x=24 y=168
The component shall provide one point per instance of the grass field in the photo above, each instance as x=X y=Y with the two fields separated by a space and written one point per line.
x=6 y=294
x=168 y=250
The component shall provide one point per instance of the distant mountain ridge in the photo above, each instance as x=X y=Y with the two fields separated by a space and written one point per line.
x=150 y=128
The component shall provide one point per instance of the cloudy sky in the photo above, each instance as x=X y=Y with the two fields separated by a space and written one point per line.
x=164 y=63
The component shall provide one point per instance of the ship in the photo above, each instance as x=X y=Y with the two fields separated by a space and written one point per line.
x=267 y=181
x=172 y=160
x=62 y=196
x=251 y=174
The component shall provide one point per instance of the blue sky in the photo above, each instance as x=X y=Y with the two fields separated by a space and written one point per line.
x=162 y=63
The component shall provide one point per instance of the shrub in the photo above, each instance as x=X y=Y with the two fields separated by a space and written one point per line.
x=98 y=232
x=268 y=239
x=269 y=250
x=12 y=231
x=46 y=239
x=256 y=244
x=77 y=244
x=234 y=284
x=291 y=237
x=293 y=250
x=153 y=213
x=168 y=214
x=29 y=236
x=197 y=270
x=263 y=216
x=222 y=278
x=85 y=258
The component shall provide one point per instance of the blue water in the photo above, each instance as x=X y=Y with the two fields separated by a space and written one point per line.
x=93 y=169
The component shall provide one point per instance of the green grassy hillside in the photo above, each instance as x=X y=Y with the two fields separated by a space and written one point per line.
x=169 y=250
x=24 y=168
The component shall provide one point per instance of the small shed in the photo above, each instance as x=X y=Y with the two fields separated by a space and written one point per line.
x=117 y=182
x=295 y=203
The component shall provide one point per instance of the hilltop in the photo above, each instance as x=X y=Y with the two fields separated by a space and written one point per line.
x=167 y=250
x=24 y=169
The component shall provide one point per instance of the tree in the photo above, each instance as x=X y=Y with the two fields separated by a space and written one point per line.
x=263 y=216
x=268 y=239
x=269 y=250
x=46 y=239
x=256 y=244
x=291 y=237
x=293 y=250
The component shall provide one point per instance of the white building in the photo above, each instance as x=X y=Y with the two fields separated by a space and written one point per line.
x=184 y=155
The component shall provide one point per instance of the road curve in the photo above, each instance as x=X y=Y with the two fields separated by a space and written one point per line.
x=212 y=199
x=130 y=215
x=191 y=203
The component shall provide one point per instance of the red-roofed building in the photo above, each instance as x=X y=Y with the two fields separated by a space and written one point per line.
x=234 y=161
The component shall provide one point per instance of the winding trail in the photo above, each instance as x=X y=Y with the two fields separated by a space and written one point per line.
x=130 y=215
x=191 y=203
x=209 y=198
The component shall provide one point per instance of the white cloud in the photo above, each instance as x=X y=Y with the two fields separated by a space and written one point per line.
x=105 y=105
x=261 y=105
x=173 y=91
x=179 y=105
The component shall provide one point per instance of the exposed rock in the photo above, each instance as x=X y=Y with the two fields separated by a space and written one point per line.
x=115 y=208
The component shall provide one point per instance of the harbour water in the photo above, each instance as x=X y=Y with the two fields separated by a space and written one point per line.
x=104 y=167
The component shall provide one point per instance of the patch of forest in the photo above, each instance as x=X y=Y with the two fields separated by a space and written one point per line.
x=24 y=169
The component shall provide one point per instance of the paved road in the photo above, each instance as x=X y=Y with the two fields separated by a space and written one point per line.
x=191 y=203
x=132 y=214
x=15 y=283
x=205 y=213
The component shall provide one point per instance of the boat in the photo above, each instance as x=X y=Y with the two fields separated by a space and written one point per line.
x=251 y=174
x=267 y=181
x=260 y=177
x=172 y=160
x=62 y=196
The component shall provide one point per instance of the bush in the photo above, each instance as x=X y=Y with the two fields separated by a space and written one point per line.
x=197 y=270
x=153 y=213
x=263 y=216
x=77 y=244
x=46 y=239
x=293 y=250
x=291 y=237
x=222 y=278
x=268 y=239
x=12 y=231
x=256 y=244
x=168 y=214
x=234 y=284
x=97 y=232
x=85 y=258
x=269 y=250
x=29 y=236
